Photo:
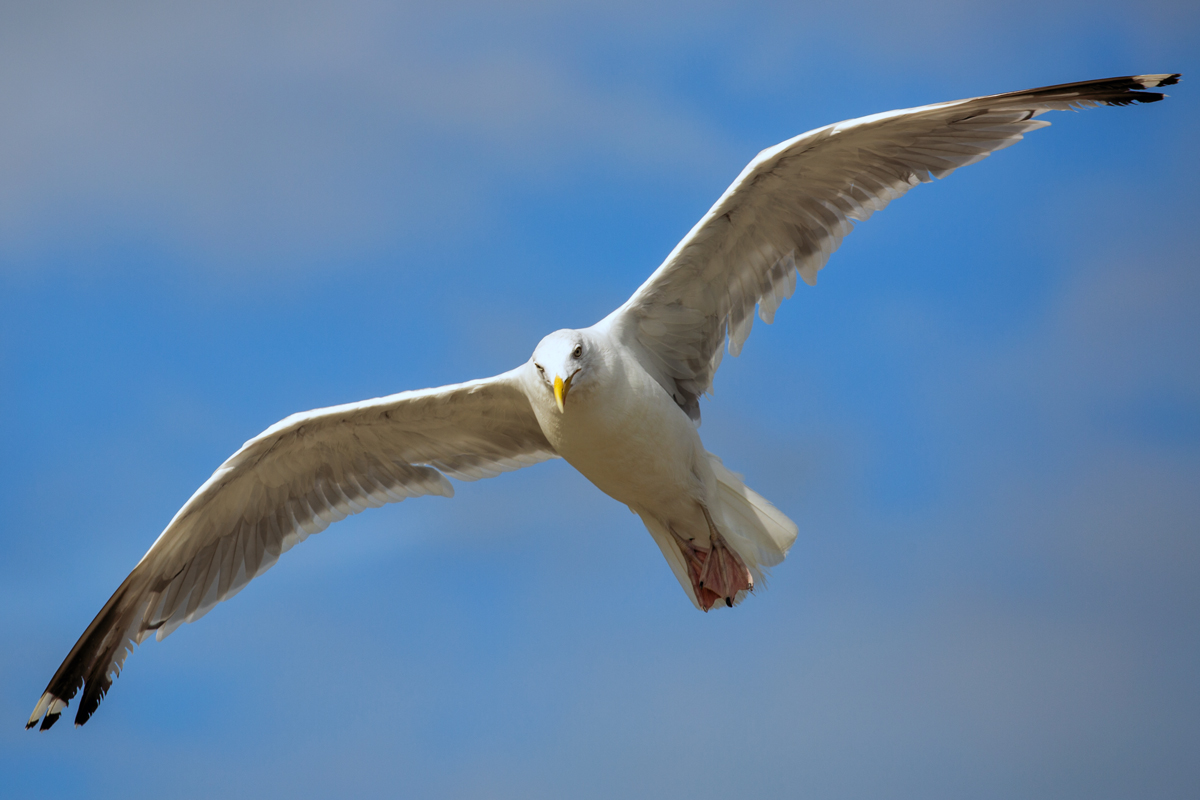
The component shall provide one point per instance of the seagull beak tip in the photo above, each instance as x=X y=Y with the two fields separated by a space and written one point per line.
x=560 y=393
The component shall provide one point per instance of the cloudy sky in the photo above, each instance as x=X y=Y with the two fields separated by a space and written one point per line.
x=985 y=418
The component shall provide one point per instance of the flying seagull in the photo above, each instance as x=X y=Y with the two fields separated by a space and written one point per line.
x=620 y=401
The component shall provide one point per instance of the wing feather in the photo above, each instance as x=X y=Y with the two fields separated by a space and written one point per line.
x=793 y=204
x=292 y=481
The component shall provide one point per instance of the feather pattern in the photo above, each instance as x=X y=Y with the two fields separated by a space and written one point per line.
x=284 y=485
x=792 y=205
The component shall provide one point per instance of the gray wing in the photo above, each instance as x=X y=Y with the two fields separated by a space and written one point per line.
x=291 y=481
x=791 y=206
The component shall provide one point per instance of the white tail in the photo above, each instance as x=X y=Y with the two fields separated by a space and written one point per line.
x=759 y=532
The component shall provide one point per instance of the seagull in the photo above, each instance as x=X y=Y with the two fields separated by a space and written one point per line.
x=620 y=401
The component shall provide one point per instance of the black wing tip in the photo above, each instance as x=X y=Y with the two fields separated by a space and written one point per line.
x=47 y=711
x=1136 y=82
x=93 y=693
x=1147 y=82
x=91 y=665
x=1168 y=79
x=1127 y=90
x=86 y=709
x=60 y=693
x=1120 y=91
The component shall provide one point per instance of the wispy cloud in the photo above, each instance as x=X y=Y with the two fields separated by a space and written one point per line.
x=257 y=135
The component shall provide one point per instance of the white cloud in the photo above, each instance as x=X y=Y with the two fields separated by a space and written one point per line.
x=251 y=135
x=261 y=134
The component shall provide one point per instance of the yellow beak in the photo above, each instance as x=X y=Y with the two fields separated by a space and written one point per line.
x=561 y=388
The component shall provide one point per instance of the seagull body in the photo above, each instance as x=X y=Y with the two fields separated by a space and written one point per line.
x=630 y=438
x=619 y=401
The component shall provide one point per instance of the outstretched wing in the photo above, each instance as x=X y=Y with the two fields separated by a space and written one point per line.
x=291 y=481
x=791 y=206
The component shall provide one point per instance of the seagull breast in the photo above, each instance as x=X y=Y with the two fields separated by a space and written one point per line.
x=623 y=431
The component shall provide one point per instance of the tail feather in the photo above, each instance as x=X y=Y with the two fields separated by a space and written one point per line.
x=760 y=532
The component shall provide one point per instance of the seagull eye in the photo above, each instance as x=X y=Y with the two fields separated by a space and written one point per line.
x=540 y=367
x=578 y=351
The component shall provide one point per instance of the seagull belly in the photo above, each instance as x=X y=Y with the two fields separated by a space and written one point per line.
x=636 y=445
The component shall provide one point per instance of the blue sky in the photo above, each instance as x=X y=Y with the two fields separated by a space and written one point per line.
x=985 y=418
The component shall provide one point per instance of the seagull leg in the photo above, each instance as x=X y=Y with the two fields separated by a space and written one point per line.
x=724 y=574
x=717 y=573
x=696 y=558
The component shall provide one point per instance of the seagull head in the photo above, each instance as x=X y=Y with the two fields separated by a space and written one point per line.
x=561 y=361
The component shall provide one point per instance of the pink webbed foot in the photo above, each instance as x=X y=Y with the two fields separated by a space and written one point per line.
x=725 y=574
x=717 y=573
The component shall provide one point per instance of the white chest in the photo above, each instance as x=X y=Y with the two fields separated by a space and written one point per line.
x=626 y=435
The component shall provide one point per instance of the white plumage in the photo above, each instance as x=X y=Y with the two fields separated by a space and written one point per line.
x=619 y=400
